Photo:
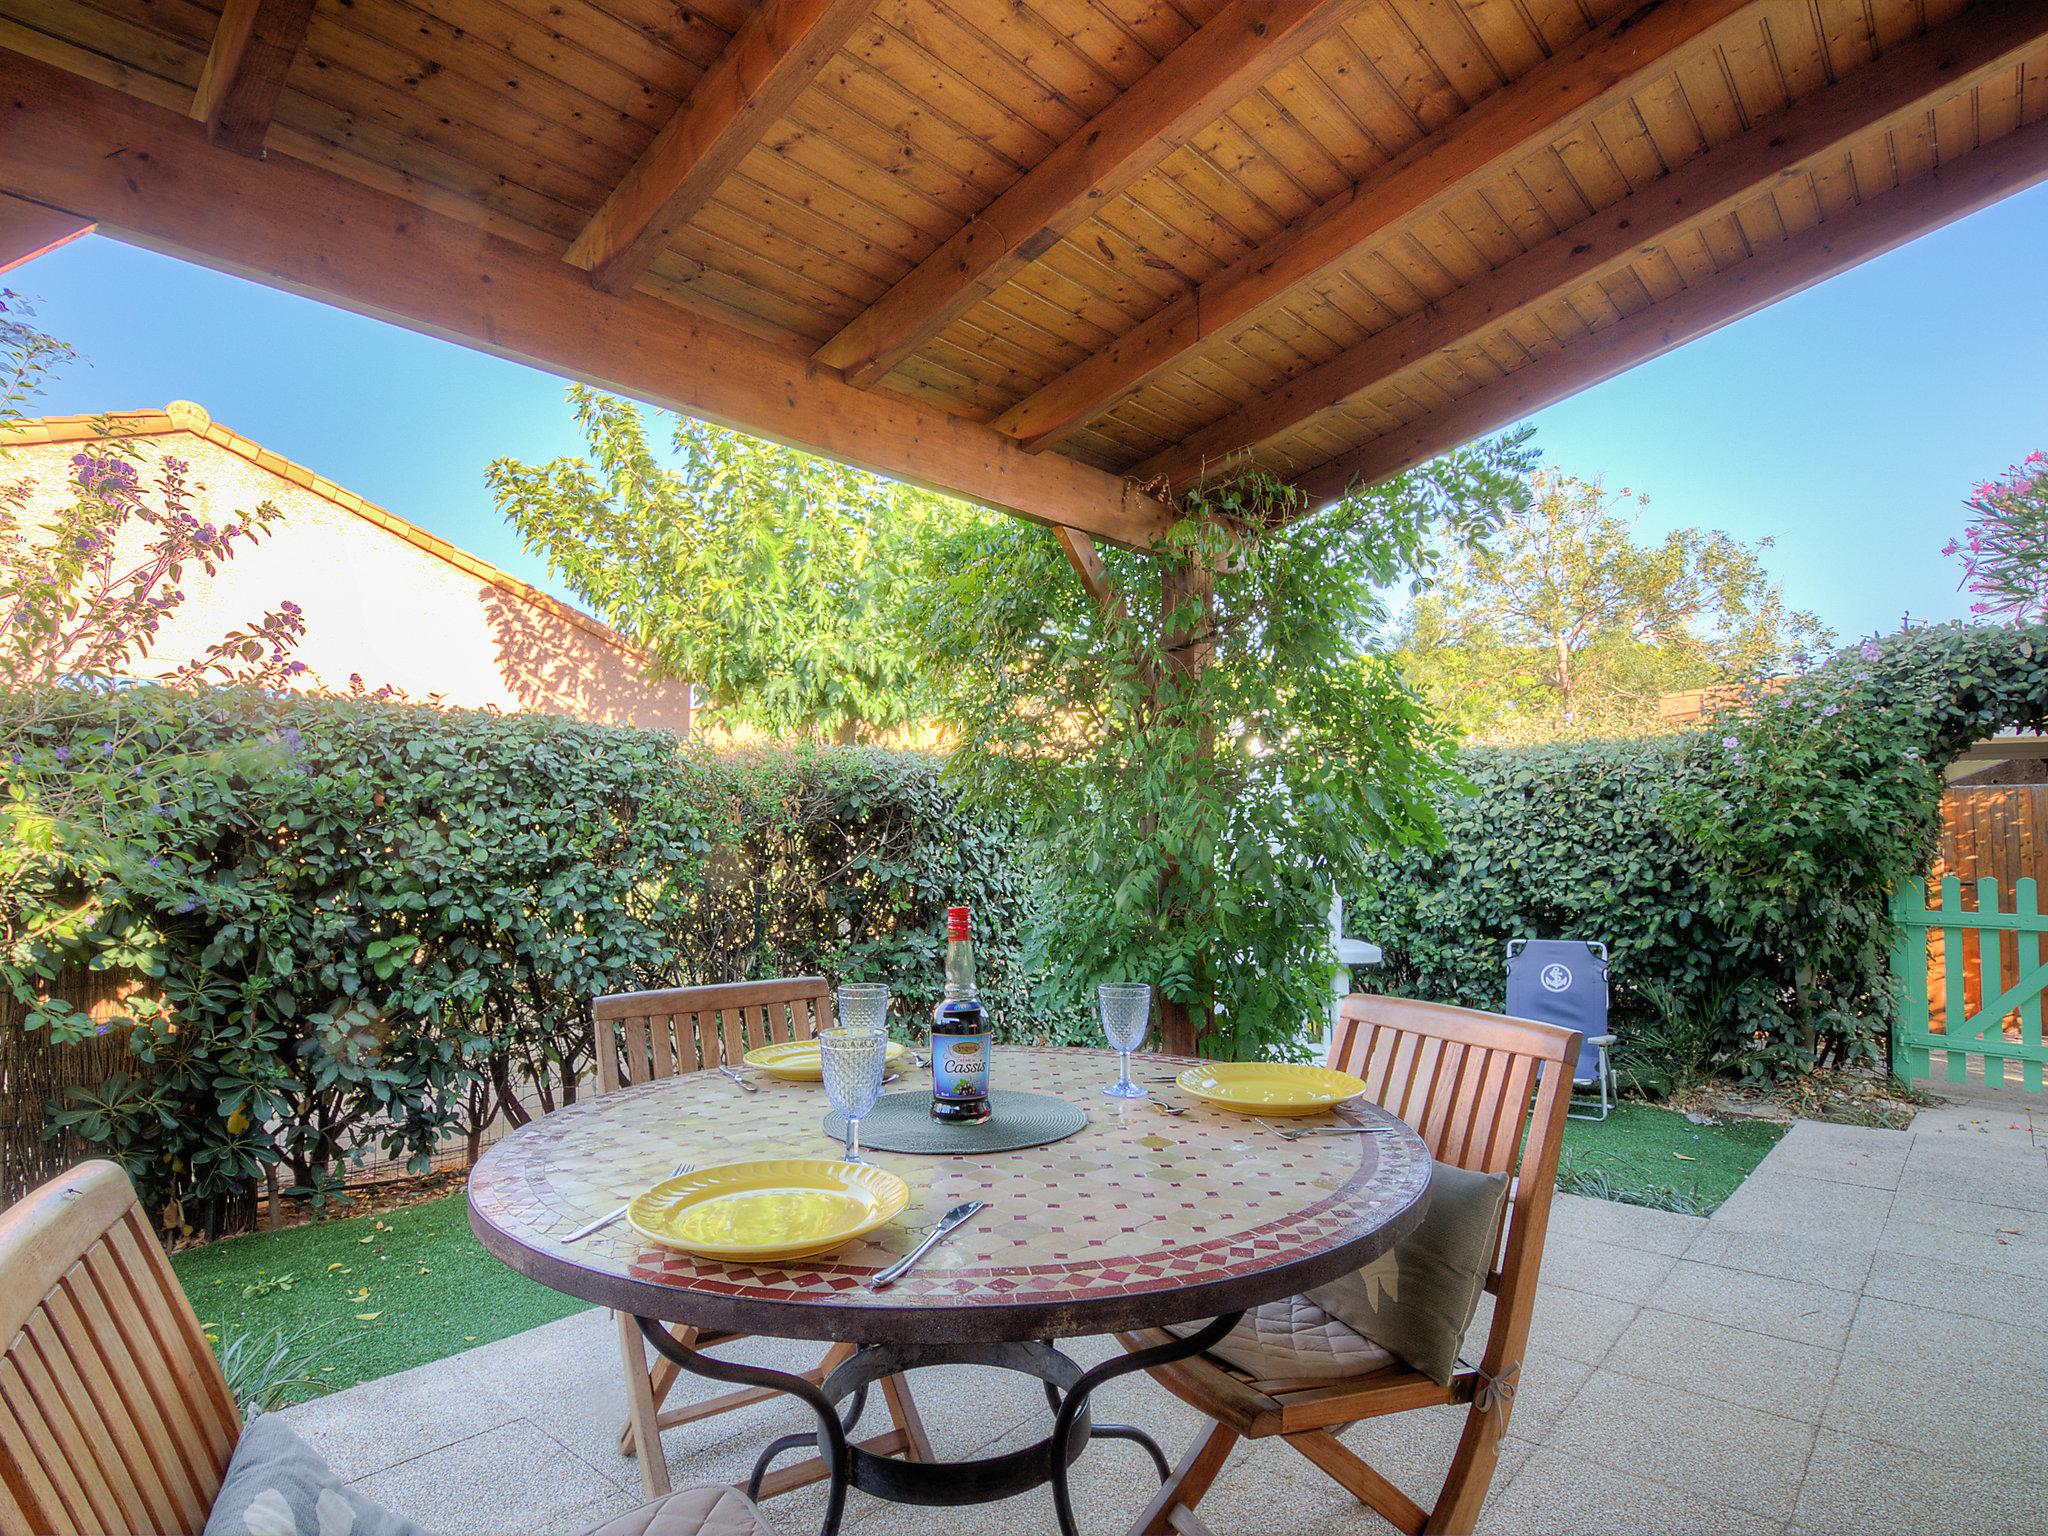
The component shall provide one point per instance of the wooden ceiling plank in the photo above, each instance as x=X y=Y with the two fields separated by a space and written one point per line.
x=1955 y=190
x=1976 y=46
x=29 y=230
x=762 y=72
x=1603 y=67
x=1189 y=89
x=148 y=175
x=252 y=52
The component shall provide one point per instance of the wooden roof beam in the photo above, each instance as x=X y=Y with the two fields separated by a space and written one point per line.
x=763 y=70
x=1603 y=67
x=146 y=174
x=29 y=230
x=1907 y=80
x=1960 y=187
x=253 y=48
x=1192 y=86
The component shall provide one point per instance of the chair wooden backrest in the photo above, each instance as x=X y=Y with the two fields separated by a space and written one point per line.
x=646 y=1035
x=1486 y=1093
x=114 y=1415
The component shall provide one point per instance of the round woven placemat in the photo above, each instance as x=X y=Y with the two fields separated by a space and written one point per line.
x=902 y=1122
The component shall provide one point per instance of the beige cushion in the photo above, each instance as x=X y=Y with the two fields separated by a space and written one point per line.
x=1293 y=1339
x=710 y=1511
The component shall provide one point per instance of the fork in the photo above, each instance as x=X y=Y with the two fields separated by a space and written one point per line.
x=1326 y=1130
x=681 y=1168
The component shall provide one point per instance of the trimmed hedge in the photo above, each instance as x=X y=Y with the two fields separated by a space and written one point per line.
x=372 y=924
x=1741 y=874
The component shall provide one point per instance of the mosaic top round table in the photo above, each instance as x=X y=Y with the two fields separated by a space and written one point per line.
x=1140 y=1220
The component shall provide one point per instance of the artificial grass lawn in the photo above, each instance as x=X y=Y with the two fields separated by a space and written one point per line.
x=1640 y=1147
x=376 y=1294
x=373 y=1294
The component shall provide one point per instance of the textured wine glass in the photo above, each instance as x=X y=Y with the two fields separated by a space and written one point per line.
x=1126 y=1014
x=853 y=1060
x=864 y=1005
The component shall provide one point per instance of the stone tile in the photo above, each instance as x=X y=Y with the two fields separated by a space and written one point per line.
x=1811 y=1210
x=1625 y=1226
x=574 y=1521
x=1840 y=1154
x=1985 y=1179
x=1544 y=1388
x=1603 y=1269
x=1576 y=1324
x=1785 y=1309
x=1859 y=1487
x=1751 y=1460
x=1840 y=1266
x=1560 y=1493
x=381 y=1423
x=1943 y=1286
x=513 y=1478
x=2013 y=1352
x=1750 y=1370
x=1976 y=1237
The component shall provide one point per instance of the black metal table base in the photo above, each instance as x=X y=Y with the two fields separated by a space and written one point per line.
x=1068 y=1389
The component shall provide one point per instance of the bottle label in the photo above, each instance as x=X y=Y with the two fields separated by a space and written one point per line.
x=959 y=1067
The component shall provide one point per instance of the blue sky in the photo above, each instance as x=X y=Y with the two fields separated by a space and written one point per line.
x=1846 y=423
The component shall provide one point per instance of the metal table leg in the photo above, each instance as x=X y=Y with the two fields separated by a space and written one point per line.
x=1067 y=1389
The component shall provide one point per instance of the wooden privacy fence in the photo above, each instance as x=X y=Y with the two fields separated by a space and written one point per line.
x=2002 y=948
x=34 y=1070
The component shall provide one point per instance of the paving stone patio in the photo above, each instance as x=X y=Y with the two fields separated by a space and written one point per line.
x=1851 y=1344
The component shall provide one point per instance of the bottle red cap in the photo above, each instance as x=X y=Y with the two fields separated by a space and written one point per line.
x=956 y=922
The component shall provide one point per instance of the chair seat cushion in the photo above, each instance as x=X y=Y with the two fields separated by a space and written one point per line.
x=714 y=1510
x=1293 y=1339
x=277 y=1485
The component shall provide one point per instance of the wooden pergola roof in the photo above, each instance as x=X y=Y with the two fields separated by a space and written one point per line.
x=1062 y=257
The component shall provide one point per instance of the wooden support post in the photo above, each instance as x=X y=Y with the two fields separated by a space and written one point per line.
x=1187 y=604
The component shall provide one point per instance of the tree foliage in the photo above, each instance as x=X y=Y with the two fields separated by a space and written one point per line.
x=1741 y=874
x=770 y=579
x=1563 y=623
x=1206 y=757
x=2004 y=549
x=85 y=588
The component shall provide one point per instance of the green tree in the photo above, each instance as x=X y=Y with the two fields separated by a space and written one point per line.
x=1210 y=749
x=770 y=579
x=1564 y=624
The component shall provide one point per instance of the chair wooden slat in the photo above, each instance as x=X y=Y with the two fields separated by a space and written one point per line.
x=1486 y=1093
x=114 y=1415
x=640 y=1036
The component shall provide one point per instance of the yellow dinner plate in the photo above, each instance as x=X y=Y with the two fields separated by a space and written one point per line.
x=797 y=1061
x=783 y=1208
x=1270 y=1087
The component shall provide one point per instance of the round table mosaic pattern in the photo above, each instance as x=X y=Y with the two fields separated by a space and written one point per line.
x=1137 y=1203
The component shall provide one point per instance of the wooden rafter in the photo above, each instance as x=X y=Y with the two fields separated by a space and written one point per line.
x=762 y=71
x=253 y=48
x=148 y=175
x=29 y=230
x=1960 y=187
x=1190 y=87
x=1906 y=80
x=1601 y=68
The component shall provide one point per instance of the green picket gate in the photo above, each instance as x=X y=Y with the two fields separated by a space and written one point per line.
x=1963 y=1033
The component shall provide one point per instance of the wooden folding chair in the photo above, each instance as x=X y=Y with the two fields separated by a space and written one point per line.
x=1471 y=1084
x=114 y=1415
x=643 y=1036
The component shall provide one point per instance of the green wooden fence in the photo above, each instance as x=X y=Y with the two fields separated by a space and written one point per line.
x=2009 y=992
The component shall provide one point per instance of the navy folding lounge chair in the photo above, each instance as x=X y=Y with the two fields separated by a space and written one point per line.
x=1564 y=981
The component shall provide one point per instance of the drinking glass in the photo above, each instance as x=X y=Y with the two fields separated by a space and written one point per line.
x=854 y=1059
x=864 y=1005
x=1126 y=1012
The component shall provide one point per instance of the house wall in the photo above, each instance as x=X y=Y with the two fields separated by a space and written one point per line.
x=380 y=598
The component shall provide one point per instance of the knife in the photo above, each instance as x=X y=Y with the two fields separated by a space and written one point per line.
x=730 y=1073
x=956 y=1217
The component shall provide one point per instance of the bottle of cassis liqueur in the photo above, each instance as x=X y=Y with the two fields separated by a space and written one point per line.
x=962 y=1037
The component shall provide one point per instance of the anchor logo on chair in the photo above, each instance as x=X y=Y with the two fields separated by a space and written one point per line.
x=1556 y=978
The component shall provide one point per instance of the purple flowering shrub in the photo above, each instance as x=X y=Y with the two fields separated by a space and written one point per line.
x=2004 y=549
